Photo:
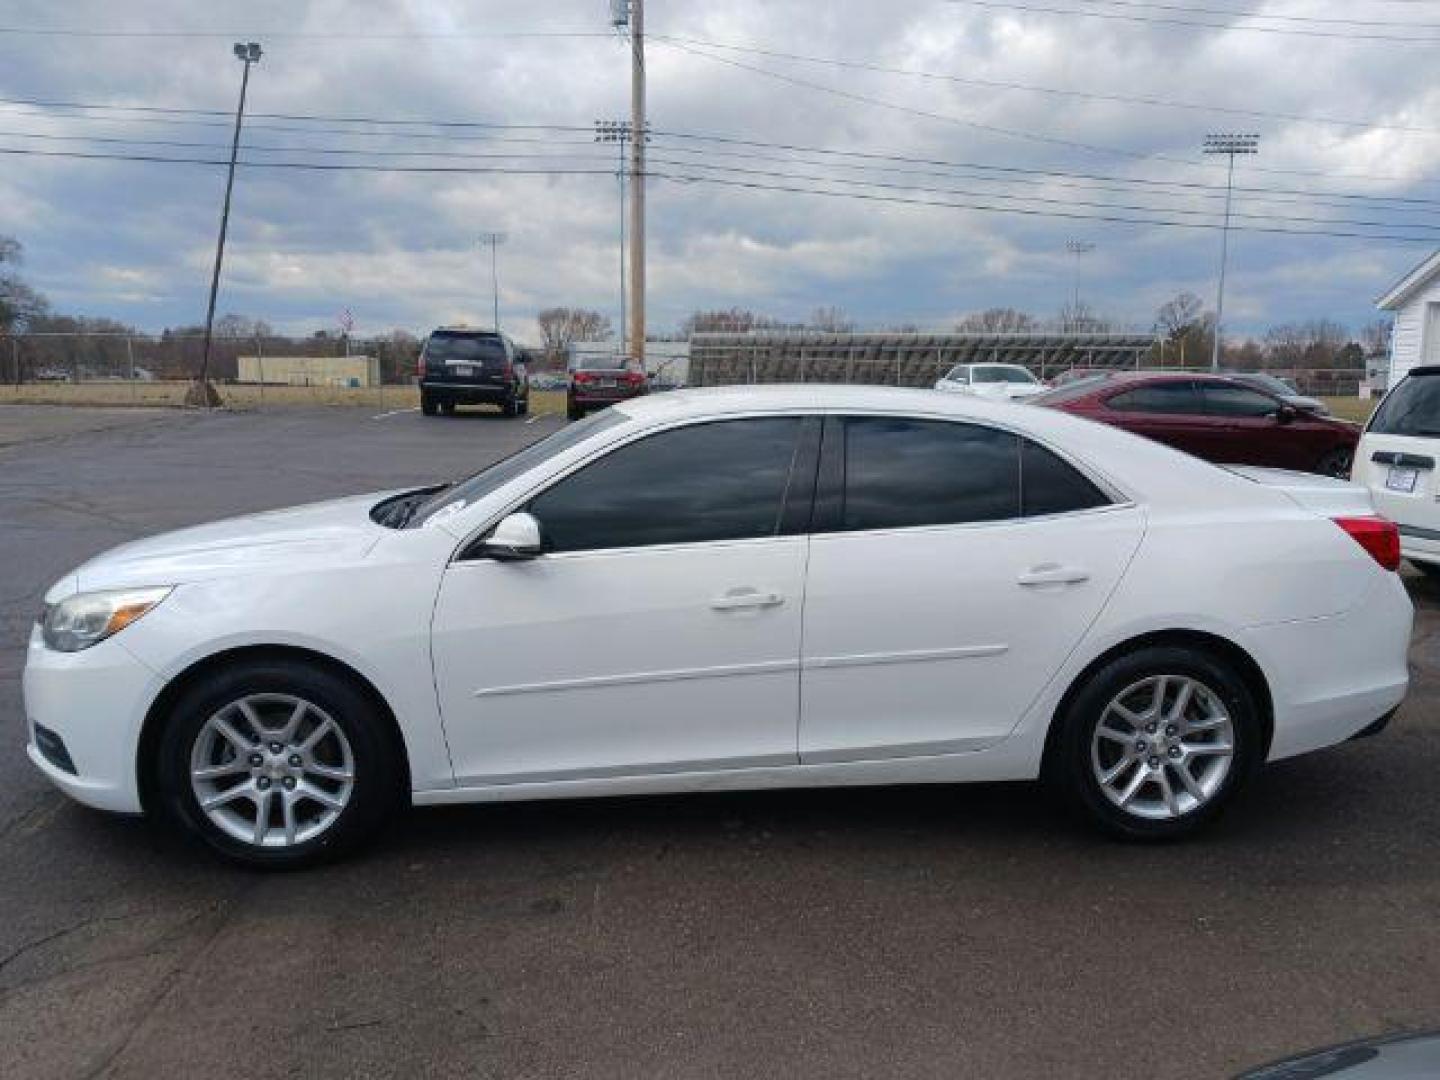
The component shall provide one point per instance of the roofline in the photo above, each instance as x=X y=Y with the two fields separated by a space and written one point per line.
x=1414 y=279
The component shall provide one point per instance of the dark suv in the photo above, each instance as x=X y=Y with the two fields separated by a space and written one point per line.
x=472 y=367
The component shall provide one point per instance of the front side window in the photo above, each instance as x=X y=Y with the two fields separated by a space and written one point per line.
x=1003 y=373
x=1227 y=399
x=903 y=472
x=1412 y=408
x=724 y=480
x=1177 y=397
x=960 y=374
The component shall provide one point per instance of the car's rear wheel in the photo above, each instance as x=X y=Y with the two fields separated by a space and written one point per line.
x=1155 y=744
x=428 y=405
x=277 y=764
x=510 y=407
x=448 y=407
x=1336 y=462
x=574 y=412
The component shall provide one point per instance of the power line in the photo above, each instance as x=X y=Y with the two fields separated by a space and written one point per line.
x=397 y=35
x=1153 y=5
x=1165 y=20
x=998 y=84
x=328 y=167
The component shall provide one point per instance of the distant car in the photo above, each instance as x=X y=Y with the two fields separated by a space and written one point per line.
x=1217 y=418
x=1074 y=374
x=1283 y=389
x=1006 y=382
x=548 y=380
x=598 y=381
x=461 y=366
x=1397 y=462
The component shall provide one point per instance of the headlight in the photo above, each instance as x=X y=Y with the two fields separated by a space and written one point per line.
x=78 y=622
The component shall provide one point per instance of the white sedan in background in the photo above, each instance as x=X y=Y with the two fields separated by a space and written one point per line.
x=729 y=589
x=1001 y=382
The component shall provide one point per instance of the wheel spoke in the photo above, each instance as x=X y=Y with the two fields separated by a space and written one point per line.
x=319 y=795
x=1182 y=770
x=287 y=809
x=252 y=718
x=1157 y=700
x=1109 y=776
x=1131 y=717
x=1105 y=731
x=227 y=731
x=1205 y=723
x=229 y=795
x=325 y=727
x=233 y=767
x=1136 y=783
x=262 y=815
x=287 y=733
x=1196 y=750
x=1171 y=803
x=1182 y=702
x=328 y=772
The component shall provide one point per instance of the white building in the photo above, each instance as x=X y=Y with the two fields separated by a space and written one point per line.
x=1414 y=300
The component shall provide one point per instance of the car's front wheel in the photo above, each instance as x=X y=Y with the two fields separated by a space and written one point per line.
x=1156 y=743
x=277 y=764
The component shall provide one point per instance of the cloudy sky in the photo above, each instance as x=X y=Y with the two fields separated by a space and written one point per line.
x=1030 y=125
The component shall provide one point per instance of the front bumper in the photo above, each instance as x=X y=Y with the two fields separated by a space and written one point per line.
x=94 y=701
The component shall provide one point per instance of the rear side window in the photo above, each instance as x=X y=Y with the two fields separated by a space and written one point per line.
x=1227 y=399
x=1049 y=485
x=445 y=349
x=718 y=481
x=1412 y=408
x=903 y=472
x=1177 y=396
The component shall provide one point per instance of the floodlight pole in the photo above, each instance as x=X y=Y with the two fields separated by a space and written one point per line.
x=248 y=53
x=1229 y=145
x=637 y=181
x=1078 y=248
x=618 y=132
x=494 y=239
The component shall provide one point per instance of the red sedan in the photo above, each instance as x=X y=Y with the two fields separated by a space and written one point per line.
x=1219 y=419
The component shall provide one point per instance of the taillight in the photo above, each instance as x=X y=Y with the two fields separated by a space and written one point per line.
x=580 y=376
x=634 y=377
x=1377 y=536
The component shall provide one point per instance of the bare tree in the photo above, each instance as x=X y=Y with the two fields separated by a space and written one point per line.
x=20 y=305
x=1178 y=317
x=1375 y=337
x=830 y=319
x=559 y=326
x=998 y=320
x=1080 y=319
x=732 y=321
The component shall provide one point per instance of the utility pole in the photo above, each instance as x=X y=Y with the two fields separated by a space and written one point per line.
x=1229 y=145
x=247 y=53
x=618 y=132
x=637 y=181
x=1078 y=248
x=494 y=239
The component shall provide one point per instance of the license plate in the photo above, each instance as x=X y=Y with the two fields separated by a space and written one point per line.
x=606 y=384
x=1401 y=479
x=463 y=369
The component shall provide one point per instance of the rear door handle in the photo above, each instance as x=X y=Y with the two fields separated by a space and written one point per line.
x=736 y=599
x=1053 y=574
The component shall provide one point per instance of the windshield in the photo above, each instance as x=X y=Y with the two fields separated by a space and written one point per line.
x=996 y=373
x=445 y=349
x=503 y=471
x=1413 y=408
x=1074 y=388
x=600 y=362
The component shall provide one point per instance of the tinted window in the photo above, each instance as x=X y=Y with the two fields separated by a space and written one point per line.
x=1413 y=408
x=720 y=481
x=902 y=472
x=1049 y=485
x=1227 y=399
x=1159 y=397
x=482 y=350
x=502 y=472
x=994 y=373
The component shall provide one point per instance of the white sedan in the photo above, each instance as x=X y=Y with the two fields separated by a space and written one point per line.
x=1003 y=382
x=727 y=589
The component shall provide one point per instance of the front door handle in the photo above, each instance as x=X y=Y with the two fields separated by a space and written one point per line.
x=736 y=599
x=1053 y=574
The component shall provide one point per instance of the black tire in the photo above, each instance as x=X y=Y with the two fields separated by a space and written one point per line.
x=574 y=412
x=1429 y=569
x=1072 y=771
x=510 y=407
x=377 y=788
x=428 y=405
x=524 y=409
x=447 y=407
x=1336 y=462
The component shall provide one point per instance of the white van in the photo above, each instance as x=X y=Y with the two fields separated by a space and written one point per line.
x=1397 y=460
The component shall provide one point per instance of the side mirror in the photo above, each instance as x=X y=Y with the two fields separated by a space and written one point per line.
x=1286 y=414
x=517 y=537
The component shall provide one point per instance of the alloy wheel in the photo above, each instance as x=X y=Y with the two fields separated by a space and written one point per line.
x=1163 y=747
x=272 y=770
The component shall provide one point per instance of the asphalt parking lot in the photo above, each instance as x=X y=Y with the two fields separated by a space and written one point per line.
x=899 y=932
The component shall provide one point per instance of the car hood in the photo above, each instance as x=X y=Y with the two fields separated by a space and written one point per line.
x=327 y=532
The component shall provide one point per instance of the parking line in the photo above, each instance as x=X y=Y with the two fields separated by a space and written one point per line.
x=394 y=412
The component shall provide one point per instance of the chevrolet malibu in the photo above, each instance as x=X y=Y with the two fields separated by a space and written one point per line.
x=731 y=589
